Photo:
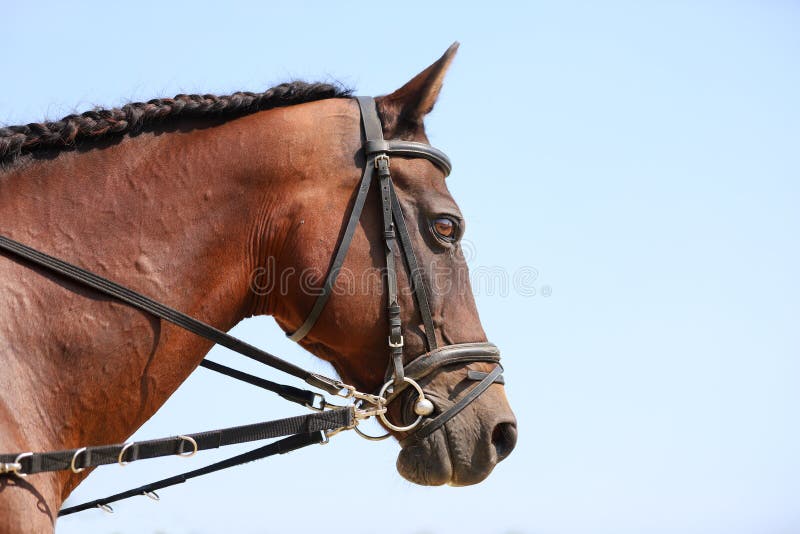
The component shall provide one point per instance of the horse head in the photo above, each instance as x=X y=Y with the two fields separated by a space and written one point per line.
x=351 y=329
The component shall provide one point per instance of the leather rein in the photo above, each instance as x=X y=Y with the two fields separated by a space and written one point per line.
x=329 y=418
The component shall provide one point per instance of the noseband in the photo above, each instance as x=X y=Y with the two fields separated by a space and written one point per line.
x=377 y=152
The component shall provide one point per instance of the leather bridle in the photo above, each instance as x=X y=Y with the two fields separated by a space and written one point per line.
x=377 y=152
x=310 y=428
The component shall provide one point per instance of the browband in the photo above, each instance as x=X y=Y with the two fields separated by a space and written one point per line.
x=410 y=149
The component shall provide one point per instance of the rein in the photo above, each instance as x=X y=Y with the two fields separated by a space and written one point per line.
x=329 y=418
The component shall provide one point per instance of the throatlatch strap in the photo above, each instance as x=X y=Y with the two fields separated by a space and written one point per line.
x=338 y=260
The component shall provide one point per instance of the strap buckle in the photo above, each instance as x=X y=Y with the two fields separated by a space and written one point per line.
x=382 y=161
x=396 y=342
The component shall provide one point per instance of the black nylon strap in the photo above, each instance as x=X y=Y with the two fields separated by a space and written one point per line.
x=139 y=301
x=303 y=397
x=109 y=454
x=283 y=446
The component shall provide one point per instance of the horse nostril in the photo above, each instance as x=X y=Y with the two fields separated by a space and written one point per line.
x=504 y=438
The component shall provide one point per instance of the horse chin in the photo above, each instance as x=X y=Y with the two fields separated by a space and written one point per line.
x=432 y=462
x=426 y=462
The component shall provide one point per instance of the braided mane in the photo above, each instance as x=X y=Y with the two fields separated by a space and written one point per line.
x=135 y=117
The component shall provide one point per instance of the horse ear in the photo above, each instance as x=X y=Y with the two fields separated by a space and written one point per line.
x=406 y=108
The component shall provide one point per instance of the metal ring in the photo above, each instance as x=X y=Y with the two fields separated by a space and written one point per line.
x=371 y=438
x=121 y=455
x=386 y=421
x=16 y=461
x=106 y=508
x=75 y=457
x=194 y=444
x=322 y=403
x=151 y=495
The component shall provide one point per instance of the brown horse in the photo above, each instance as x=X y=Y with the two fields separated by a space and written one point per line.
x=184 y=200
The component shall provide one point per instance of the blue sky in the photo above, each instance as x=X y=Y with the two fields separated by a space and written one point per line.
x=642 y=157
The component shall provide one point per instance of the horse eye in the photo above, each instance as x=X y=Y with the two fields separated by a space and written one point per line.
x=445 y=228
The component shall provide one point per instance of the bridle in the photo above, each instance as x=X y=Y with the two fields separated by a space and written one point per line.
x=377 y=152
x=330 y=418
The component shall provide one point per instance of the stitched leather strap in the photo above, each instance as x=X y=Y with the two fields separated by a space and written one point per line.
x=451 y=354
x=417 y=282
x=412 y=149
x=373 y=132
x=461 y=353
x=338 y=260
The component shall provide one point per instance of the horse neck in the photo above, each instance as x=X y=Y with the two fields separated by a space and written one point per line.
x=172 y=215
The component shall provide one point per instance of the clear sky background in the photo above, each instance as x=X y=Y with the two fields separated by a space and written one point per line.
x=642 y=157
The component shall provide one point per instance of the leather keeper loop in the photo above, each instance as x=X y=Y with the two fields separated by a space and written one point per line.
x=374 y=146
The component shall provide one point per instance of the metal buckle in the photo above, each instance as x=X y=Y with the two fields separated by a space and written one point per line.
x=396 y=344
x=381 y=157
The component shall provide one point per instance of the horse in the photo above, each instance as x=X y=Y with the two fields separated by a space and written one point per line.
x=189 y=201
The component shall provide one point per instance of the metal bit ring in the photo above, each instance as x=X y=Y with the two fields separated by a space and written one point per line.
x=386 y=421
